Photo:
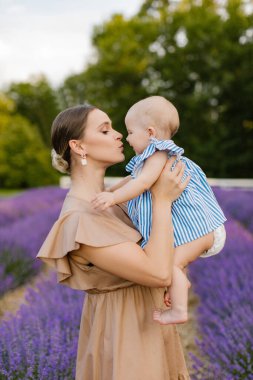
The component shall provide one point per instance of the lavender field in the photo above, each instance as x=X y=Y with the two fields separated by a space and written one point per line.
x=25 y=221
x=40 y=341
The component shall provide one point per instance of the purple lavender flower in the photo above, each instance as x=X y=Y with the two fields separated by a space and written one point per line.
x=238 y=203
x=20 y=243
x=27 y=220
x=40 y=341
x=224 y=285
x=29 y=202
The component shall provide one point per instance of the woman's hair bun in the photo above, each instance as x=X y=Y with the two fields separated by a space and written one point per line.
x=58 y=162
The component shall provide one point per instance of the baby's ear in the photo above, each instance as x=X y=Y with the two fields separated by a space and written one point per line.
x=151 y=132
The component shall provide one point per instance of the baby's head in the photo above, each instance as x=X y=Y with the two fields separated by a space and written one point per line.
x=155 y=117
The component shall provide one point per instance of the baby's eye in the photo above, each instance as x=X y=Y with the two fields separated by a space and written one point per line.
x=105 y=132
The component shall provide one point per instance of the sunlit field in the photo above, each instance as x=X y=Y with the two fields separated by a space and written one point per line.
x=39 y=341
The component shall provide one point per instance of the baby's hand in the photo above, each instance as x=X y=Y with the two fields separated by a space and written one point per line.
x=103 y=200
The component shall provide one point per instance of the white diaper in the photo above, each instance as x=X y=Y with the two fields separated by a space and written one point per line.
x=219 y=242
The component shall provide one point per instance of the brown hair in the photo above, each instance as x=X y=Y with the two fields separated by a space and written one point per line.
x=68 y=124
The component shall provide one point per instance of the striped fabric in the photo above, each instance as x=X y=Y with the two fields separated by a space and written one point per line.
x=194 y=214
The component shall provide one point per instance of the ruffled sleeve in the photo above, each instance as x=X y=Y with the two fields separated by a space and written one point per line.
x=98 y=229
x=167 y=145
x=136 y=163
x=131 y=164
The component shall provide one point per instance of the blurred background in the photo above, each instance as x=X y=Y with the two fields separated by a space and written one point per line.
x=55 y=54
x=111 y=53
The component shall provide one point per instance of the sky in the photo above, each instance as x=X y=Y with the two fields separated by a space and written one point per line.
x=51 y=37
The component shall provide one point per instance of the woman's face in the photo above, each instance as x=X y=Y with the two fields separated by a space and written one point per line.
x=103 y=144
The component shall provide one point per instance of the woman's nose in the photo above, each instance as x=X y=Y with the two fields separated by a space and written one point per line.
x=119 y=135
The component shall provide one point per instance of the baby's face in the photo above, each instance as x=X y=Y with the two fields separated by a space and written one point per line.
x=138 y=136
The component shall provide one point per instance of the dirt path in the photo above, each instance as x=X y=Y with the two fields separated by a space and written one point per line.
x=189 y=331
x=13 y=299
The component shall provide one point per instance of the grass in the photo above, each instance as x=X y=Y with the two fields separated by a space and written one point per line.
x=9 y=192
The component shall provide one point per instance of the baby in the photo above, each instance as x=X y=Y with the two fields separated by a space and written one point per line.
x=197 y=218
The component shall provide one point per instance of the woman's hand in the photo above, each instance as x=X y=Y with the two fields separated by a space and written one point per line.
x=169 y=185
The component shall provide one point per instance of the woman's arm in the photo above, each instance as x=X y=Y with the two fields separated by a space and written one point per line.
x=152 y=265
x=150 y=172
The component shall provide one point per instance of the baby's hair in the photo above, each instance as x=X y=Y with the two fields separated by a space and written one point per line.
x=158 y=112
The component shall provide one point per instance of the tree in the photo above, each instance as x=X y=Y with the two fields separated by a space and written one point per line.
x=37 y=102
x=204 y=62
x=73 y=91
x=114 y=81
x=25 y=161
x=197 y=54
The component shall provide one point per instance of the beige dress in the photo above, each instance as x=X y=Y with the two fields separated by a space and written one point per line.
x=118 y=339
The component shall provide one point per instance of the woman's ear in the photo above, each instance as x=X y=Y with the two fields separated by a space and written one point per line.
x=77 y=147
x=151 y=132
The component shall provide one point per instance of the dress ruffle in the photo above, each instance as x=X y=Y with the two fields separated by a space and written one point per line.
x=61 y=249
x=155 y=145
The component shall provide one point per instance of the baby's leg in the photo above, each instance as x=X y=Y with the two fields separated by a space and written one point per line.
x=184 y=254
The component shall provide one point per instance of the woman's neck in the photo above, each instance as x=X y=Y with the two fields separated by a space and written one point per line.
x=86 y=183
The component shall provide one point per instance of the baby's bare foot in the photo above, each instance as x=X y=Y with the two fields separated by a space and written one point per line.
x=166 y=317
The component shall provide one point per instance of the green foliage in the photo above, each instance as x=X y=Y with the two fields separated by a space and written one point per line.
x=73 y=91
x=196 y=54
x=25 y=161
x=206 y=70
x=114 y=81
x=38 y=103
x=6 y=105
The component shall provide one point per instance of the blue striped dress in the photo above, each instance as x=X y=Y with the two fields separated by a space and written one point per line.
x=194 y=214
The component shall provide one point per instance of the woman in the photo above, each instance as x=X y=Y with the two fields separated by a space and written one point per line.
x=99 y=252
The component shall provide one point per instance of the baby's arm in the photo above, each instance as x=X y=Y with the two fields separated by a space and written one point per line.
x=134 y=187
x=119 y=184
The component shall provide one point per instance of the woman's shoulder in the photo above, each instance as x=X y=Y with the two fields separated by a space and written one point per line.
x=75 y=207
x=96 y=228
x=78 y=224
